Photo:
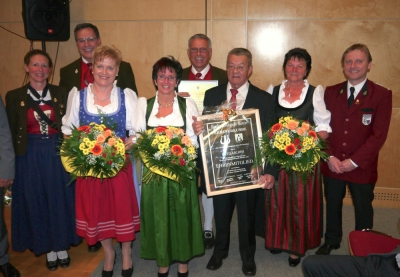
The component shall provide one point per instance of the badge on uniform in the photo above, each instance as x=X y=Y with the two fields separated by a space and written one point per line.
x=366 y=119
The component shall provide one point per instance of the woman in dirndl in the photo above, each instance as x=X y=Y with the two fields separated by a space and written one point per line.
x=43 y=212
x=293 y=207
x=107 y=208
x=170 y=216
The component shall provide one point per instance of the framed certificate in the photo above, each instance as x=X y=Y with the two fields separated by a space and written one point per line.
x=230 y=152
x=197 y=89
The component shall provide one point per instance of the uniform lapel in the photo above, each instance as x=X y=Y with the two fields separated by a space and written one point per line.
x=360 y=99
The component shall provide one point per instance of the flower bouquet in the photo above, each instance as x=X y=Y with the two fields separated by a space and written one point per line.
x=168 y=152
x=93 y=150
x=294 y=145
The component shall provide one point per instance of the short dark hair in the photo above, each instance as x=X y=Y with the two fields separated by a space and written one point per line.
x=84 y=26
x=34 y=52
x=357 y=46
x=241 y=52
x=170 y=63
x=200 y=36
x=301 y=54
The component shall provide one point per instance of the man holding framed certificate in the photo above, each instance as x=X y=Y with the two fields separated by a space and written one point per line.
x=239 y=69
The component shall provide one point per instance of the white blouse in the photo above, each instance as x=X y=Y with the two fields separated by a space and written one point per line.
x=322 y=117
x=71 y=117
x=173 y=119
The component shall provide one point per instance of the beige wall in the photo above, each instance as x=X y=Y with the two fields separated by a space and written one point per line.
x=148 y=30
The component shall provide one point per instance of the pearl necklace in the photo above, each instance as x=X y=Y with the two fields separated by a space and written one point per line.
x=166 y=105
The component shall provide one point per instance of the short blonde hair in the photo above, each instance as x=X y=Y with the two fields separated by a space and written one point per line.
x=107 y=51
x=360 y=47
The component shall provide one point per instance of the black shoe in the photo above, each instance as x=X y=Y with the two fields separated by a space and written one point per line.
x=64 y=262
x=249 y=269
x=163 y=274
x=275 y=251
x=326 y=249
x=294 y=262
x=94 y=247
x=208 y=239
x=214 y=263
x=107 y=273
x=186 y=274
x=127 y=272
x=53 y=265
x=9 y=271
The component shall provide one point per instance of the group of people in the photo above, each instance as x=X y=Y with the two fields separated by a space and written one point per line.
x=48 y=216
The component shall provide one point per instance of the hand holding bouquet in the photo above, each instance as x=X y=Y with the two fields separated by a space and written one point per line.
x=168 y=152
x=93 y=150
x=294 y=145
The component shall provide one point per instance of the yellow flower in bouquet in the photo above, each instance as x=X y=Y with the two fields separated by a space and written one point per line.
x=93 y=150
x=294 y=145
x=168 y=152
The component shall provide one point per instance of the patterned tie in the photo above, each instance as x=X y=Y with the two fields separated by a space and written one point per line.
x=198 y=75
x=88 y=78
x=351 y=98
x=233 y=98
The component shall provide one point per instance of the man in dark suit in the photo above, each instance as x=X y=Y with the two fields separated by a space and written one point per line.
x=78 y=73
x=346 y=265
x=361 y=112
x=7 y=171
x=239 y=68
x=199 y=52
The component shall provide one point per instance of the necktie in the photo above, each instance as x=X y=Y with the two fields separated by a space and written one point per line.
x=198 y=75
x=233 y=98
x=351 y=98
x=88 y=78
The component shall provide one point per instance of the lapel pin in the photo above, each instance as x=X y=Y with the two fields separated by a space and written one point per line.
x=365 y=93
x=76 y=71
x=22 y=103
x=357 y=102
x=341 y=91
x=55 y=100
x=61 y=106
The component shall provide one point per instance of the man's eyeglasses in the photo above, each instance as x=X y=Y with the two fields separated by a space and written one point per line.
x=89 y=40
x=240 y=68
x=196 y=50
x=169 y=78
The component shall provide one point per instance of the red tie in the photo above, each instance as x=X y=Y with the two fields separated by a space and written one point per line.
x=88 y=78
x=198 y=75
x=233 y=98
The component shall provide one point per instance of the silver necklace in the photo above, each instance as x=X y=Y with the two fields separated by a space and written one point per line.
x=101 y=100
x=166 y=105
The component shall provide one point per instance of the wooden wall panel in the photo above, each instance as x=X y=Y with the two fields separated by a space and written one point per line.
x=389 y=155
x=228 y=9
x=10 y=11
x=317 y=9
x=128 y=10
x=226 y=35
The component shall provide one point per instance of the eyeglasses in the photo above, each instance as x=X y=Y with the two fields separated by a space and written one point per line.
x=239 y=68
x=196 y=50
x=168 y=78
x=89 y=40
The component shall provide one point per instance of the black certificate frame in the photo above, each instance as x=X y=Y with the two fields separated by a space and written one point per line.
x=230 y=152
